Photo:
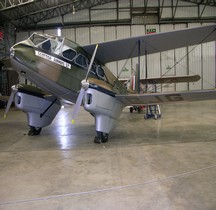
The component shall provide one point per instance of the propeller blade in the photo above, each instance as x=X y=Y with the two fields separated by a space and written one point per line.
x=10 y=101
x=91 y=62
x=84 y=86
x=78 y=104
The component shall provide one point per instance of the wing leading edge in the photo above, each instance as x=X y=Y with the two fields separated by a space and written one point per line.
x=159 y=98
x=152 y=43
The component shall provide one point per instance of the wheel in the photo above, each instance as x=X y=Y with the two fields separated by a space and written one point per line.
x=34 y=131
x=131 y=109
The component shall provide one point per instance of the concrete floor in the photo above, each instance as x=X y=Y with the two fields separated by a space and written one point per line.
x=169 y=163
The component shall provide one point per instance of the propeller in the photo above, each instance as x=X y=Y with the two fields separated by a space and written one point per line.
x=84 y=87
x=11 y=98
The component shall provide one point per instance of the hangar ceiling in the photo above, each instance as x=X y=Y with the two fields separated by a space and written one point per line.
x=27 y=14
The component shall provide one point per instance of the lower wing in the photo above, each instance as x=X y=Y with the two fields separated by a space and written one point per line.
x=159 y=98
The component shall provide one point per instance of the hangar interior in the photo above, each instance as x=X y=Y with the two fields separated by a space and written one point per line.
x=167 y=163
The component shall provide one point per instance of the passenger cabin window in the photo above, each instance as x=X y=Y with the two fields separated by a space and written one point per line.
x=81 y=61
x=100 y=72
x=68 y=53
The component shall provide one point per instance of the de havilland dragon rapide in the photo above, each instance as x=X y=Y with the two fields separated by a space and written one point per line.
x=64 y=71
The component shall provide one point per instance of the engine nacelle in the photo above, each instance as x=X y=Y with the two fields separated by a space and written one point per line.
x=105 y=108
x=40 y=109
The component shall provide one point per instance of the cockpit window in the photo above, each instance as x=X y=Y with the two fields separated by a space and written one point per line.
x=81 y=61
x=37 y=39
x=46 y=45
x=47 y=42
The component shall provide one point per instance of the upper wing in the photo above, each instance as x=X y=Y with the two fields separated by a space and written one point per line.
x=152 y=43
x=158 y=98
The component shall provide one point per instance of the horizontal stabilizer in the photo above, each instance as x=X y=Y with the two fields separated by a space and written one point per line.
x=159 y=98
x=171 y=79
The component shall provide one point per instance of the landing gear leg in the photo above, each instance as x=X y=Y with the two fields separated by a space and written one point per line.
x=101 y=137
x=34 y=131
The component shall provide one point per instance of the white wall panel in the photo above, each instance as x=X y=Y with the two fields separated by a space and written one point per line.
x=167 y=61
x=108 y=14
x=124 y=32
x=97 y=34
x=104 y=12
x=69 y=33
x=124 y=3
x=186 y=12
x=51 y=32
x=195 y=66
x=79 y=15
x=208 y=51
x=208 y=11
x=153 y=60
x=138 y=3
x=82 y=36
x=181 y=67
x=124 y=14
x=153 y=3
x=110 y=34
x=52 y=20
x=21 y=36
x=195 y=62
x=166 y=13
x=138 y=30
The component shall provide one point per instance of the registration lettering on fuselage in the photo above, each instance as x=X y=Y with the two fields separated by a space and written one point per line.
x=52 y=59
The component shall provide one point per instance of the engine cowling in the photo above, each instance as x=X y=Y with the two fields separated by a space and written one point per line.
x=40 y=108
x=104 y=107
